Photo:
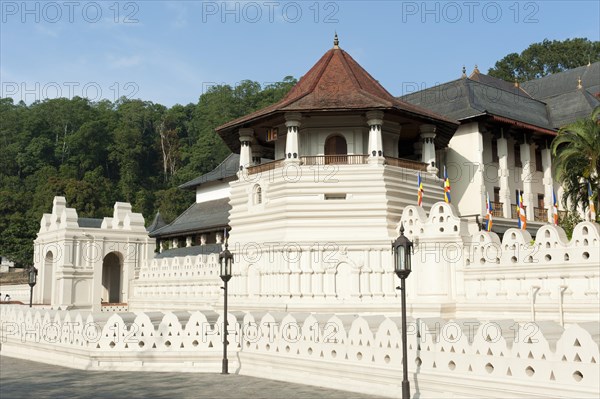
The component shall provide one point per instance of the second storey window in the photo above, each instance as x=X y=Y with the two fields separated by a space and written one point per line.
x=495 y=157
x=517 y=152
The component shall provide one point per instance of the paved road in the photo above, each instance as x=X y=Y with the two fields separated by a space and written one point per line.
x=24 y=379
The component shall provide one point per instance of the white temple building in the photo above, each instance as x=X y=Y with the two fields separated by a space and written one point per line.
x=314 y=192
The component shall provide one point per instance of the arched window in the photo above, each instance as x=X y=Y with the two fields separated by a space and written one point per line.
x=257 y=195
x=336 y=150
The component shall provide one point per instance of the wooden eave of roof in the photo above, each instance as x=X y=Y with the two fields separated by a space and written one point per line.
x=523 y=125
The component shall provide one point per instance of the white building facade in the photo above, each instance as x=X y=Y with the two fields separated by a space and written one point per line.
x=323 y=182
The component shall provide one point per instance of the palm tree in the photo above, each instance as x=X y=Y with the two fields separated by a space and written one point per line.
x=576 y=152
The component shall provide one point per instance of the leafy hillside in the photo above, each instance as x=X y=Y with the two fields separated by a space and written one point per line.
x=97 y=153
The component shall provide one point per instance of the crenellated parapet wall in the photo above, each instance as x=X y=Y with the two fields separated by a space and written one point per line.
x=546 y=278
x=460 y=357
x=177 y=283
x=549 y=277
x=455 y=273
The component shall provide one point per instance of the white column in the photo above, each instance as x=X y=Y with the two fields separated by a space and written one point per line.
x=478 y=170
x=504 y=175
x=188 y=241
x=527 y=176
x=292 y=122
x=428 y=154
x=548 y=183
x=375 y=120
x=246 y=148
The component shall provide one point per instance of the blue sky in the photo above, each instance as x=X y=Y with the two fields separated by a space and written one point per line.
x=170 y=52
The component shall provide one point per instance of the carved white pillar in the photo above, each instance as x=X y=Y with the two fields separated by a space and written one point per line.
x=246 y=147
x=548 y=184
x=292 y=122
x=375 y=120
x=175 y=243
x=188 y=241
x=428 y=154
x=203 y=239
x=504 y=176
x=527 y=176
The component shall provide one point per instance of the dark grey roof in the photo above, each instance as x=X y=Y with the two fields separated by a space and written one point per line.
x=156 y=224
x=549 y=102
x=203 y=216
x=89 y=222
x=569 y=107
x=190 y=251
x=499 y=84
x=466 y=98
x=226 y=169
x=566 y=81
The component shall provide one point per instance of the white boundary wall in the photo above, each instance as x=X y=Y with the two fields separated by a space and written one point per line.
x=466 y=358
x=17 y=292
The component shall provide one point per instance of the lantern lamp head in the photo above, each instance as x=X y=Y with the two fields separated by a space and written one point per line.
x=402 y=250
x=225 y=263
x=32 y=276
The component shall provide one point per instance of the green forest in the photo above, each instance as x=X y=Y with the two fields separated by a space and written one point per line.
x=96 y=153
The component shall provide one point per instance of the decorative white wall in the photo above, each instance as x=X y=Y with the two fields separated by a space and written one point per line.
x=447 y=358
x=17 y=292
x=455 y=273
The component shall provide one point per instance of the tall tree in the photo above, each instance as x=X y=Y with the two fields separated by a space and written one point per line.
x=547 y=57
x=576 y=151
x=96 y=153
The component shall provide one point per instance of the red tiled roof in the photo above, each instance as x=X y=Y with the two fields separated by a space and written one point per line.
x=337 y=82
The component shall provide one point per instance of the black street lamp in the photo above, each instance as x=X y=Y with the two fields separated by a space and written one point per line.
x=402 y=250
x=225 y=262
x=32 y=281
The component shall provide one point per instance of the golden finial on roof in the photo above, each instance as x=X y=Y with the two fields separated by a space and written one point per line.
x=476 y=70
x=464 y=72
x=579 y=86
x=336 y=42
x=516 y=82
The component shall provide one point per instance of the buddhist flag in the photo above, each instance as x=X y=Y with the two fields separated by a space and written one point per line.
x=420 y=190
x=522 y=216
x=488 y=215
x=592 y=205
x=446 y=186
x=554 y=208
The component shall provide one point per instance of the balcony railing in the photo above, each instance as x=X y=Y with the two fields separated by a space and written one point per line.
x=540 y=214
x=334 y=159
x=406 y=163
x=354 y=159
x=497 y=209
x=513 y=211
x=265 y=167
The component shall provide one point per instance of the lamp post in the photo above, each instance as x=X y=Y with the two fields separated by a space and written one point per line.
x=32 y=281
x=402 y=253
x=225 y=262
